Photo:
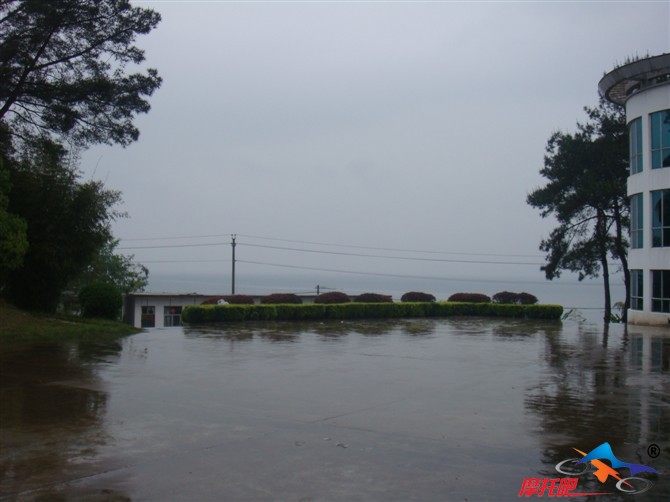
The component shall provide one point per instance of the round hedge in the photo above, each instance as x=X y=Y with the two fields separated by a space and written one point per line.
x=100 y=300
x=373 y=298
x=417 y=296
x=469 y=298
x=332 y=297
x=275 y=298
x=508 y=297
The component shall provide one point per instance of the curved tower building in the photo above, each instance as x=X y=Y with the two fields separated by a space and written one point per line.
x=643 y=86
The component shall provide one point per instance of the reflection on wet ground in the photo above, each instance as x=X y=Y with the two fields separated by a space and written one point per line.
x=436 y=409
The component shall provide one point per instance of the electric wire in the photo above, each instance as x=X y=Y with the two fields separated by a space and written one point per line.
x=331 y=244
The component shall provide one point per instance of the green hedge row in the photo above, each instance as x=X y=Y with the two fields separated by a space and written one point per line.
x=194 y=314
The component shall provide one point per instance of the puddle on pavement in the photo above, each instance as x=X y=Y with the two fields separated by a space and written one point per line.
x=368 y=410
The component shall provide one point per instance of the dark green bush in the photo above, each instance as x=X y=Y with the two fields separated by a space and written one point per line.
x=507 y=297
x=527 y=299
x=100 y=300
x=276 y=298
x=373 y=298
x=332 y=297
x=469 y=298
x=417 y=296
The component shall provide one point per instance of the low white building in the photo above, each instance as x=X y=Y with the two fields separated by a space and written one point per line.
x=643 y=86
x=158 y=310
x=163 y=310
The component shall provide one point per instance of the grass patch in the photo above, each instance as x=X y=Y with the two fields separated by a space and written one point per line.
x=19 y=325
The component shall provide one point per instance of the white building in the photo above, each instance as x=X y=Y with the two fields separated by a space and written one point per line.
x=158 y=310
x=163 y=310
x=643 y=86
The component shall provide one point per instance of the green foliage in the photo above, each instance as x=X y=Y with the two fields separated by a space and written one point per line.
x=194 y=314
x=512 y=298
x=13 y=229
x=63 y=69
x=417 y=296
x=373 y=298
x=469 y=298
x=586 y=176
x=275 y=298
x=68 y=222
x=114 y=268
x=332 y=297
x=101 y=300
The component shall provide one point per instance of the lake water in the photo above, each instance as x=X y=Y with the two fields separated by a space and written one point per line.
x=438 y=409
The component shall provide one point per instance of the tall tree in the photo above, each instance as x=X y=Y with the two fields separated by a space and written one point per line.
x=111 y=267
x=65 y=79
x=13 y=239
x=67 y=223
x=63 y=69
x=586 y=176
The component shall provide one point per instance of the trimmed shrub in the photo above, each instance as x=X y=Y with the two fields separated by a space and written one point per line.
x=332 y=297
x=275 y=298
x=469 y=298
x=193 y=314
x=101 y=300
x=527 y=299
x=417 y=296
x=507 y=297
x=373 y=298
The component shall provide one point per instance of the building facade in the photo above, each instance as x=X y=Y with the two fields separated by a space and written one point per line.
x=643 y=86
x=163 y=310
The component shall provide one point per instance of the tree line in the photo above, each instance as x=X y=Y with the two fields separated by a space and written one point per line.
x=65 y=85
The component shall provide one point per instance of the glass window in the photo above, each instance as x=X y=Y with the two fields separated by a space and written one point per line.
x=148 y=319
x=172 y=316
x=636 y=290
x=660 y=139
x=660 y=291
x=660 y=218
x=635 y=145
x=637 y=221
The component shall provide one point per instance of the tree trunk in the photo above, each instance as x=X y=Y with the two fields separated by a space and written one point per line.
x=601 y=235
x=622 y=255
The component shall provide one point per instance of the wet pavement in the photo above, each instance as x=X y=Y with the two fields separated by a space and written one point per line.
x=440 y=409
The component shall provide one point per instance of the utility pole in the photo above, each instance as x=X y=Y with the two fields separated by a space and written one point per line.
x=233 y=279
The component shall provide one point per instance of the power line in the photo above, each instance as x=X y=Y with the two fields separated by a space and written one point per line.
x=296 y=241
x=169 y=246
x=388 y=249
x=173 y=238
x=381 y=274
x=408 y=258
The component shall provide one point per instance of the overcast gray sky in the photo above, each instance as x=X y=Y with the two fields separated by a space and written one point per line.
x=395 y=125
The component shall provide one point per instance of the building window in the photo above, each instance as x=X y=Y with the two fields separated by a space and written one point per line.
x=148 y=319
x=172 y=316
x=637 y=221
x=660 y=291
x=660 y=218
x=660 y=139
x=636 y=290
x=635 y=144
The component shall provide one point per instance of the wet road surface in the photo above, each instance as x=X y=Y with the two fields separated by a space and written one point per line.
x=451 y=409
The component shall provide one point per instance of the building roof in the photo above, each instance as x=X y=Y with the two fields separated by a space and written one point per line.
x=623 y=82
